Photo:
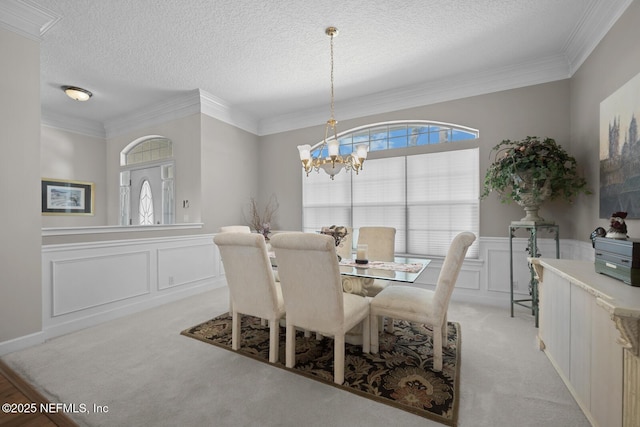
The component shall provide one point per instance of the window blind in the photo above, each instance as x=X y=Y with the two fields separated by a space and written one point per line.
x=428 y=198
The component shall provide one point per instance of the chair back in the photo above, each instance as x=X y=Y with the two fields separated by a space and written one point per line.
x=310 y=279
x=235 y=229
x=381 y=242
x=249 y=274
x=450 y=270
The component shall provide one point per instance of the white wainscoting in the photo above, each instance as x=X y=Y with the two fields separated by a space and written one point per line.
x=486 y=280
x=84 y=284
x=87 y=283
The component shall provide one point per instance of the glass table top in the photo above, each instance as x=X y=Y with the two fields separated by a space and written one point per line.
x=403 y=269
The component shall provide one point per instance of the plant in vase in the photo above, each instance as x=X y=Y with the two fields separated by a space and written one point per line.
x=261 y=221
x=531 y=171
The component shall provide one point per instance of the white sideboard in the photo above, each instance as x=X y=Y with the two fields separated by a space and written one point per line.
x=589 y=329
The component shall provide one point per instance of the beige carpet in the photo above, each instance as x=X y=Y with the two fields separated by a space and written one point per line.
x=148 y=374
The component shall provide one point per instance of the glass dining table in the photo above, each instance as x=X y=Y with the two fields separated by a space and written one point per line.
x=402 y=269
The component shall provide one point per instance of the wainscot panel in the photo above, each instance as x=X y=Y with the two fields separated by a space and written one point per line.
x=84 y=284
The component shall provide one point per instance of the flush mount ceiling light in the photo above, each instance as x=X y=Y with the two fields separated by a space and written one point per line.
x=77 y=93
x=326 y=154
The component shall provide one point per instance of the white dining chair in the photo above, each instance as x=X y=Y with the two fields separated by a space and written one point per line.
x=422 y=305
x=251 y=285
x=313 y=296
x=381 y=246
x=235 y=229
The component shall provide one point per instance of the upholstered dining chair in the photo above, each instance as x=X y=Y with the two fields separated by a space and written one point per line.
x=422 y=305
x=235 y=229
x=381 y=243
x=251 y=284
x=313 y=296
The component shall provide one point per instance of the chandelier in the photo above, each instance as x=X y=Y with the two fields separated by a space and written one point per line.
x=312 y=158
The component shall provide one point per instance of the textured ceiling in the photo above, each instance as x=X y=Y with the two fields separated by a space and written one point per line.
x=268 y=61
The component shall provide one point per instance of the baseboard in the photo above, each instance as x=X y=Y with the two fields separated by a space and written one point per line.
x=21 y=343
x=77 y=324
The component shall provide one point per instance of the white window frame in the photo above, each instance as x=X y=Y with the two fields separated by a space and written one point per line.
x=365 y=200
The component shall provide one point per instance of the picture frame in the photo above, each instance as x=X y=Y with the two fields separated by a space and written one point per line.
x=620 y=151
x=66 y=197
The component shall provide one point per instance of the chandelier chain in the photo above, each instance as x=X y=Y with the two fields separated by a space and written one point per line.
x=332 y=107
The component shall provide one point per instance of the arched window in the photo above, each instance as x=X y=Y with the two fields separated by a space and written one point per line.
x=145 y=210
x=147 y=182
x=147 y=149
x=429 y=196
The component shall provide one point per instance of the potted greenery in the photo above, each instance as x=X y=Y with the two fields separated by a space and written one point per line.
x=530 y=171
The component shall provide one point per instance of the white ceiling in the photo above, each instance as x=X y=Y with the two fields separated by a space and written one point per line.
x=264 y=65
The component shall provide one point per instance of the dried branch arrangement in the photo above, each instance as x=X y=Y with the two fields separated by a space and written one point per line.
x=260 y=221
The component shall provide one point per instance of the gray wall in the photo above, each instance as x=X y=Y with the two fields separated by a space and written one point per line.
x=541 y=110
x=230 y=164
x=21 y=278
x=613 y=63
x=67 y=155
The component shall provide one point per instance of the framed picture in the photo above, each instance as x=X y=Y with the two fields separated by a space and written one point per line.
x=64 y=197
x=620 y=151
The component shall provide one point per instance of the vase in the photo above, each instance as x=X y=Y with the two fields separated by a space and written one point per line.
x=531 y=195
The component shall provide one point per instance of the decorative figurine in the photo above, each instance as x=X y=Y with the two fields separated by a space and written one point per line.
x=598 y=232
x=618 y=229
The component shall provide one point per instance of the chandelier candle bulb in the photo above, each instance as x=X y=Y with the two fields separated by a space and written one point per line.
x=305 y=152
x=361 y=150
x=334 y=148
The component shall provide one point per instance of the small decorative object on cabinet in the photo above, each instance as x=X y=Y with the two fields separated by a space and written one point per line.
x=619 y=259
x=532 y=248
x=618 y=229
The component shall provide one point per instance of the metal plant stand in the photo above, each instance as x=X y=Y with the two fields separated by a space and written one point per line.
x=532 y=248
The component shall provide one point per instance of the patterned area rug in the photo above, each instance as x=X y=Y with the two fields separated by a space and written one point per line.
x=400 y=375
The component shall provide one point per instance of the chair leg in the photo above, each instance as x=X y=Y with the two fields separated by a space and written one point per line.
x=274 y=340
x=338 y=359
x=235 y=330
x=444 y=328
x=366 y=335
x=389 y=327
x=437 y=348
x=290 y=346
x=373 y=332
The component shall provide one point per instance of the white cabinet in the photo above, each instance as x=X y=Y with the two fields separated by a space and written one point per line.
x=582 y=314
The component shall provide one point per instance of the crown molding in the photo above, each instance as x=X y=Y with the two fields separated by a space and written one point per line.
x=217 y=108
x=71 y=124
x=465 y=85
x=175 y=108
x=26 y=18
x=196 y=101
x=596 y=23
